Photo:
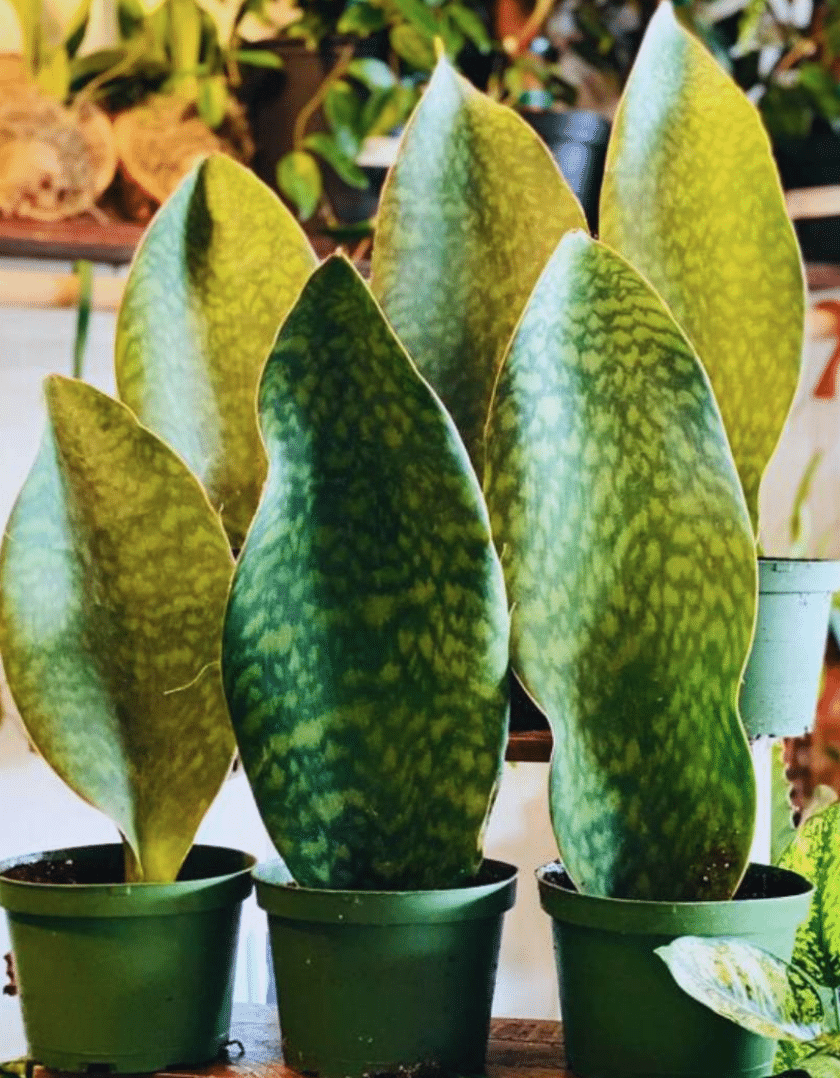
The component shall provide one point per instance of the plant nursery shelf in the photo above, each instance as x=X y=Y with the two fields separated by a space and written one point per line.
x=518 y=1049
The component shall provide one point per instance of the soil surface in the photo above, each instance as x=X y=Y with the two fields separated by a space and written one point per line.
x=761 y=881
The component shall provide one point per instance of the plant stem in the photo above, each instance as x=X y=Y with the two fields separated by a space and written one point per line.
x=318 y=98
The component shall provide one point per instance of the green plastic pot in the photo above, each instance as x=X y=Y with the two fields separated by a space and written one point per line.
x=375 y=981
x=623 y=1014
x=782 y=679
x=126 y=977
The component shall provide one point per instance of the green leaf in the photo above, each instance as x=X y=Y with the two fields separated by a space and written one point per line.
x=472 y=26
x=114 y=574
x=343 y=109
x=299 y=178
x=468 y=217
x=216 y=273
x=361 y=19
x=815 y=854
x=824 y=1063
x=375 y=74
x=258 y=58
x=749 y=986
x=412 y=46
x=419 y=15
x=631 y=571
x=213 y=99
x=692 y=198
x=324 y=145
x=366 y=639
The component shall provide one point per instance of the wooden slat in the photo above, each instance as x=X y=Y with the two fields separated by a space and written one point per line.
x=108 y=241
x=519 y=1048
x=529 y=746
x=807 y=203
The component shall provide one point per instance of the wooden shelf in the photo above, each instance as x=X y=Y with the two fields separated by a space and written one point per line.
x=529 y=746
x=518 y=1049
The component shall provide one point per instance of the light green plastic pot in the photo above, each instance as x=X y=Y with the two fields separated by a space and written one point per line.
x=782 y=679
x=375 y=981
x=126 y=977
x=623 y=1014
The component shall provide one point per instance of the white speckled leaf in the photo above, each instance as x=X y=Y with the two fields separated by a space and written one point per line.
x=692 y=198
x=749 y=986
x=366 y=641
x=114 y=574
x=815 y=854
x=218 y=270
x=631 y=571
x=468 y=217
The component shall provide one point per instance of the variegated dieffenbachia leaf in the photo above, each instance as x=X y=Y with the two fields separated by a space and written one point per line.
x=692 y=198
x=366 y=641
x=114 y=574
x=815 y=854
x=631 y=571
x=215 y=275
x=751 y=987
x=824 y=1063
x=469 y=215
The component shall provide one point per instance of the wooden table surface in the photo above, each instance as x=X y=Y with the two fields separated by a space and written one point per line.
x=518 y=1049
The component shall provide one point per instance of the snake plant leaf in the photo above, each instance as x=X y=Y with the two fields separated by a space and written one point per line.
x=750 y=987
x=114 y=575
x=366 y=641
x=815 y=854
x=692 y=198
x=217 y=272
x=631 y=570
x=469 y=215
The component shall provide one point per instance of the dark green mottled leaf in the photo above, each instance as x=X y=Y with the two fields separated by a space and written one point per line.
x=631 y=571
x=692 y=198
x=113 y=580
x=468 y=218
x=365 y=645
x=815 y=853
x=750 y=987
x=216 y=273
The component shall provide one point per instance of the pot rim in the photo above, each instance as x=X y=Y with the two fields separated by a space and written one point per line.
x=282 y=898
x=649 y=917
x=152 y=898
x=818 y=575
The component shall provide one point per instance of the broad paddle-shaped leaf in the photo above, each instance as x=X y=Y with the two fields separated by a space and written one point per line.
x=632 y=576
x=215 y=275
x=751 y=987
x=114 y=573
x=366 y=640
x=468 y=217
x=692 y=198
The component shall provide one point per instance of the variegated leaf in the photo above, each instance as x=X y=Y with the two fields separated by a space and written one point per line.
x=631 y=571
x=468 y=217
x=366 y=641
x=815 y=854
x=692 y=198
x=218 y=270
x=750 y=987
x=114 y=574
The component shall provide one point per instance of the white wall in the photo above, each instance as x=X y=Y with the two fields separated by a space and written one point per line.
x=40 y=813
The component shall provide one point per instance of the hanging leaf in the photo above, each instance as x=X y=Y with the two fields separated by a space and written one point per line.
x=365 y=645
x=114 y=574
x=815 y=854
x=631 y=572
x=413 y=46
x=751 y=987
x=373 y=73
x=692 y=198
x=468 y=217
x=216 y=273
x=322 y=144
x=299 y=179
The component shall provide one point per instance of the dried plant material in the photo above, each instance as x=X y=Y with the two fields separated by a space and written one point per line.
x=159 y=141
x=54 y=162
